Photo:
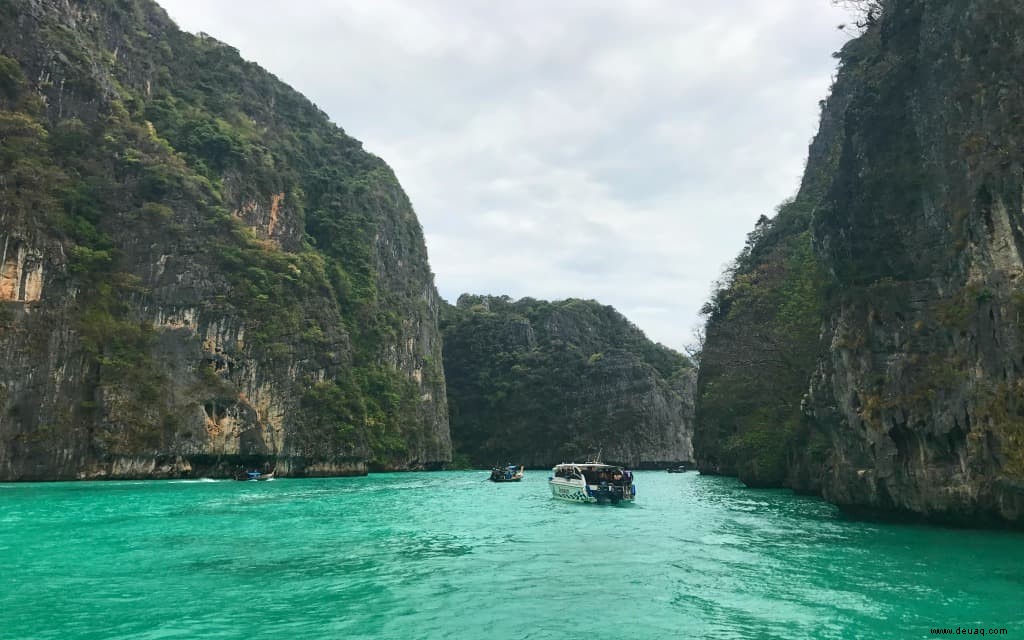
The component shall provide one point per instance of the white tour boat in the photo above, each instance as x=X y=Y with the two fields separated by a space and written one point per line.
x=592 y=482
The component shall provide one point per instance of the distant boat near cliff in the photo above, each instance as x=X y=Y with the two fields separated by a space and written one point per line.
x=254 y=476
x=508 y=473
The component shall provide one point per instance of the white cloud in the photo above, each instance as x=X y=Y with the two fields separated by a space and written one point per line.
x=587 y=148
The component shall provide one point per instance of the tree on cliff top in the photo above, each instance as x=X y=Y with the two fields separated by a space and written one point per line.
x=867 y=12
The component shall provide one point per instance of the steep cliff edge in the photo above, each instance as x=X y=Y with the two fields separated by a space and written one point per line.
x=540 y=383
x=914 y=402
x=762 y=336
x=921 y=391
x=199 y=270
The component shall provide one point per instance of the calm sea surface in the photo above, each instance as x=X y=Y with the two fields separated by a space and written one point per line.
x=449 y=555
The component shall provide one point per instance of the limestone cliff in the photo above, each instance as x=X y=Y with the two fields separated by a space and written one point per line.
x=199 y=270
x=921 y=390
x=913 y=399
x=539 y=383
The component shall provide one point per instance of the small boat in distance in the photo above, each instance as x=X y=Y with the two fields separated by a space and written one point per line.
x=508 y=473
x=679 y=468
x=592 y=482
x=254 y=476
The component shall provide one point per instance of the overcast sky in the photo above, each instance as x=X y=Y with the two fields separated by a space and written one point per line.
x=610 y=149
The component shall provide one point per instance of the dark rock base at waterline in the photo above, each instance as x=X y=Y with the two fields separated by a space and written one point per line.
x=182 y=467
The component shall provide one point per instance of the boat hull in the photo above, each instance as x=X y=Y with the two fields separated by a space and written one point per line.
x=571 y=491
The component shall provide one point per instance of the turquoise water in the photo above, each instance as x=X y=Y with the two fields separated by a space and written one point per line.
x=449 y=555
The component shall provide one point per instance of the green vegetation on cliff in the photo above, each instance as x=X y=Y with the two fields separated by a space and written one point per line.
x=154 y=181
x=760 y=348
x=543 y=382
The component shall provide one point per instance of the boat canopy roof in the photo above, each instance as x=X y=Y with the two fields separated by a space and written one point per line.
x=588 y=466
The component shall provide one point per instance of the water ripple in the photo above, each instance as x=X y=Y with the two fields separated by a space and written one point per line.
x=446 y=555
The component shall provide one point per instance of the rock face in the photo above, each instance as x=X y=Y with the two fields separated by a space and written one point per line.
x=916 y=401
x=199 y=270
x=921 y=392
x=540 y=383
